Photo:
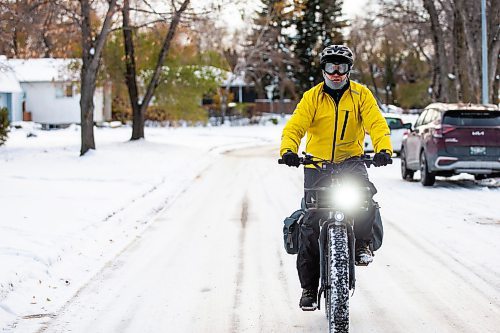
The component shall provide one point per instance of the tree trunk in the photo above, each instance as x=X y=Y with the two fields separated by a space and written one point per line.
x=91 y=53
x=130 y=75
x=495 y=88
x=474 y=78
x=441 y=67
x=374 y=82
x=457 y=47
x=87 y=109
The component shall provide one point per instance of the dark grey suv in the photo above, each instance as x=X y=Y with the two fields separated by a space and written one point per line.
x=450 y=139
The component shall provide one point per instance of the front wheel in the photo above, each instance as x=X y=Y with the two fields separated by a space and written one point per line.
x=337 y=295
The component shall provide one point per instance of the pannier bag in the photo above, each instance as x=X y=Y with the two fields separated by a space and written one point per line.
x=291 y=231
x=378 y=229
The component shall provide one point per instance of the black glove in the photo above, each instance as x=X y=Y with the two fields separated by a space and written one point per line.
x=382 y=158
x=291 y=159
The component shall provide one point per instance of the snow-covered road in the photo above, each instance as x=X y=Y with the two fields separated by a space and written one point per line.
x=214 y=261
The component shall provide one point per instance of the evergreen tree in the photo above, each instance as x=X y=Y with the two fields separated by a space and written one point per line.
x=4 y=125
x=318 y=23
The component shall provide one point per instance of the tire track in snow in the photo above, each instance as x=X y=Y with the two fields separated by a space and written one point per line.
x=235 y=320
x=437 y=255
x=111 y=264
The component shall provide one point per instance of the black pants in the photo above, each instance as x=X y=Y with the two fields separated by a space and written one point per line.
x=308 y=256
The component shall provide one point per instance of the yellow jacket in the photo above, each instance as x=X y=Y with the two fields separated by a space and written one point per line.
x=319 y=116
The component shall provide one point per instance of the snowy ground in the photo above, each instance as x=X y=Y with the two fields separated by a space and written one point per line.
x=182 y=233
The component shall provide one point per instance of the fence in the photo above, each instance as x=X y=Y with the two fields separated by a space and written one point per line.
x=277 y=106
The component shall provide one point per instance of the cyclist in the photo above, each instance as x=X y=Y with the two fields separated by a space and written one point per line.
x=335 y=114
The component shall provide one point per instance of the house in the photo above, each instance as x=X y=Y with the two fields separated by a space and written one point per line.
x=10 y=92
x=51 y=93
x=243 y=91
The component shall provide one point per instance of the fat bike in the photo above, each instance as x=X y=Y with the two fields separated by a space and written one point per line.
x=338 y=200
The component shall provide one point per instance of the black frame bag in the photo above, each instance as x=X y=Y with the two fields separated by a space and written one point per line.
x=291 y=231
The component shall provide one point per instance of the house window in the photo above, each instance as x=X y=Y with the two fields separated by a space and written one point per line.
x=64 y=90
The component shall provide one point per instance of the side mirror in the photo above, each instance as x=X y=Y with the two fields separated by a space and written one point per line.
x=407 y=126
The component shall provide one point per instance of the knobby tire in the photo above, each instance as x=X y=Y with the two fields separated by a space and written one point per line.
x=337 y=296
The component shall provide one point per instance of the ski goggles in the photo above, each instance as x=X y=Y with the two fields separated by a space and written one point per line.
x=340 y=69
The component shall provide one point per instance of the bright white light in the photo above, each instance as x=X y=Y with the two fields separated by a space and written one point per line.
x=339 y=216
x=347 y=197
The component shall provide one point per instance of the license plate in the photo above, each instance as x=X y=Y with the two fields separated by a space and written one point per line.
x=478 y=150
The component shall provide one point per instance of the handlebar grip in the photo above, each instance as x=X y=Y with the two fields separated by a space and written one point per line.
x=280 y=161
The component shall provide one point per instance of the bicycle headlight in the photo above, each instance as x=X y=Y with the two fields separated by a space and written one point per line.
x=347 y=197
x=339 y=216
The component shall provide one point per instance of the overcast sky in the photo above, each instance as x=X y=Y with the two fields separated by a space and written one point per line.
x=353 y=8
x=232 y=17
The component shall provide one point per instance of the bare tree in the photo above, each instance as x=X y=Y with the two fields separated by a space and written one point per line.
x=37 y=28
x=139 y=107
x=92 y=46
x=364 y=39
x=266 y=60
x=441 y=65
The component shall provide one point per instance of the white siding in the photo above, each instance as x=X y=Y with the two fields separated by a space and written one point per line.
x=99 y=105
x=46 y=108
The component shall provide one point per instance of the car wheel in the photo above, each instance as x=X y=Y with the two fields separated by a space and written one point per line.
x=406 y=173
x=426 y=178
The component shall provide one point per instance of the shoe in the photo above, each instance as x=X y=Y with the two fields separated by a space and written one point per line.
x=363 y=254
x=309 y=300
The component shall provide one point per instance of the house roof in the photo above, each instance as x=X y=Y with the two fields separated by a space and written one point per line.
x=235 y=80
x=8 y=80
x=45 y=69
x=226 y=77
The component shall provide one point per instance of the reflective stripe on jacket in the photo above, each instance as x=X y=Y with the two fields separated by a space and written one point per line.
x=319 y=116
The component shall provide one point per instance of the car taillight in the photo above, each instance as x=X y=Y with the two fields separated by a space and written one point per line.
x=441 y=130
x=443 y=161
x=405 y=133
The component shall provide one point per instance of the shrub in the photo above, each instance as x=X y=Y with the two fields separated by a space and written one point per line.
x=4 y=125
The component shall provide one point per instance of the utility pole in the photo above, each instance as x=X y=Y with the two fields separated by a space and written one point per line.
x=484 y=53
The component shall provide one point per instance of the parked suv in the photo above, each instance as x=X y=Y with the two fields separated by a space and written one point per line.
x=450 y=139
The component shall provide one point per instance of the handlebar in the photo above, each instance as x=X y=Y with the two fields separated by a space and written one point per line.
x=310 y=159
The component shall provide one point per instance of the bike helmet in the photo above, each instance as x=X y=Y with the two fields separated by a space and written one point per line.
x=336 y=53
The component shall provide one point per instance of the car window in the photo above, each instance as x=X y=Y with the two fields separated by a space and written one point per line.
x=472 y=118
x=429 y=116
x=420 y=118
x=438 y=116
x=394 y=123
